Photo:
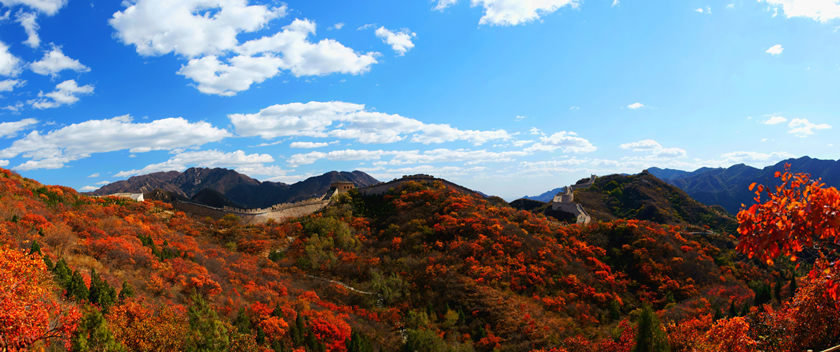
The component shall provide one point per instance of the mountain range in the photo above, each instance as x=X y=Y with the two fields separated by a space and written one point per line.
x=729 y=187
x=219 y=187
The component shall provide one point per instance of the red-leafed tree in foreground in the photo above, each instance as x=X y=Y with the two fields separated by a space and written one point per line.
x=800 y=215
x=29 y=310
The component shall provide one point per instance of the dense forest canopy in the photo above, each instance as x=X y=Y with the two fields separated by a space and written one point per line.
x=422 y=268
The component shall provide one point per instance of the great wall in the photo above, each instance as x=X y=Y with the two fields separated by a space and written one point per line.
x=563 y=201
x=284 y=211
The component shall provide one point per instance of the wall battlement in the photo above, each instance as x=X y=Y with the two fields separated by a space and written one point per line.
x=565 y=201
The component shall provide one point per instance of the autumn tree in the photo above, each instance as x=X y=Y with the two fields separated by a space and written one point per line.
x=29 y=309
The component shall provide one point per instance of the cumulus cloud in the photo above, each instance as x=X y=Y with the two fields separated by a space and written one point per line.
x=9 y=64
x=350 y=121
x=55 y=148
x=399 y=41
x=48 y=7
x=11 y=129
x=804 y=128
x=512 y=12
x=65 y=93
x=54 y=61
x=775 y=120
x=653 y=149
x=8 y=85
x=568 y=142
x=635 y=106
x=206 y=33
x=29 y=22
x=305 y=58
x=250 y=164
x=818 y=10
x=775 y=50
x=190 y=28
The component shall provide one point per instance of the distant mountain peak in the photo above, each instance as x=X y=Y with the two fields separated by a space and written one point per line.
x=230 y=187
x=728 y=187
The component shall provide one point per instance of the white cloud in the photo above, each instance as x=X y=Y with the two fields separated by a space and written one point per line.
x=738 y=157
x=775 y=120
x=568 y=142
x=653 y=149
x=337 y=26
x=93 y=175
x=399 y=41
x=55 y=148
x=465 y=156
x=8 y=85
x=249 y=164
x=88 y=188
x=407 y=157
x=191 y=27
x=519 y=117
x=775 y=50
x=350 y=121
x=16 y=107
x=707 y=10
x=9 y=64
x=635 y=106
x=804 y=128
x=65 y=93
x=288 y=49
x=10 y=129
x=54 y=62
x=216 y=77
x=4 y=163
x=615 y=3
x=304 y=58
x=512 y=12
x=49 y=7
x=818 y=10
x=308 y=145
x=205 y=31
x=443 y=4
x=28 y=20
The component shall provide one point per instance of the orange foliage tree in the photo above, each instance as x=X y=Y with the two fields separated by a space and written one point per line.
x=800 y=214
x=29 y=309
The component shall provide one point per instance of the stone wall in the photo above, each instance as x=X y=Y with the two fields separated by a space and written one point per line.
x=279 y=212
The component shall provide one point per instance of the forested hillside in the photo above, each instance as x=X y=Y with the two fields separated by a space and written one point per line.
x=422 y=268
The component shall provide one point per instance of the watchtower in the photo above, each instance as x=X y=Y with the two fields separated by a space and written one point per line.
x=342 y=186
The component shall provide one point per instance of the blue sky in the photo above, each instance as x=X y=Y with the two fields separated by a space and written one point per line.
x=510 y=97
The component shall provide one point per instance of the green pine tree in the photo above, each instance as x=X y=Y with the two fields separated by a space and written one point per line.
x=127 y=291
x=93 y=335
x=358 y=343
x=207 y=332
x=76 y=287
x=34 y=247
x=650 y=336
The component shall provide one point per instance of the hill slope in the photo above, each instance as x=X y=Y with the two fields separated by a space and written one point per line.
x=640 y=197
x=728 y=187
x=239 y=189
